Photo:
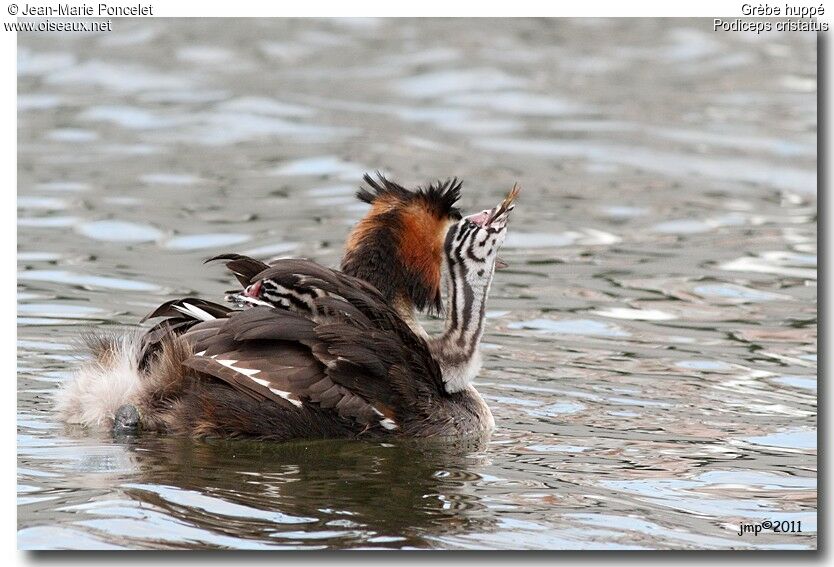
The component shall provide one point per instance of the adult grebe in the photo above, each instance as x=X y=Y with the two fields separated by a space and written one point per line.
x=319 y=353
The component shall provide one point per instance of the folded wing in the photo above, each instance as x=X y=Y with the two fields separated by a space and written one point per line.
x=349 y=353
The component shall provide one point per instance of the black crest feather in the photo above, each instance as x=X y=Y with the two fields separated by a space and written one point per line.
x=440 y=196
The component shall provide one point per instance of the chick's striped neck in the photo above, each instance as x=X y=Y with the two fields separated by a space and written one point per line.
x=457 y=348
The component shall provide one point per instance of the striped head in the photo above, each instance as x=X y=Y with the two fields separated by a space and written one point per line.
x=267 y=292
x=398 y=246
x=471 y=245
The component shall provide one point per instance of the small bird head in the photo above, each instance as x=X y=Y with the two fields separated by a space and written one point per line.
x=472 y=244
x=398 y=245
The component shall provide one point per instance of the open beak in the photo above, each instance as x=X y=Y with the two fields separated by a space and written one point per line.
x=505 y=206
x=502 y=211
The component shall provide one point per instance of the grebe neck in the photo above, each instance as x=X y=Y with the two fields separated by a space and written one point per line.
x=457 y=349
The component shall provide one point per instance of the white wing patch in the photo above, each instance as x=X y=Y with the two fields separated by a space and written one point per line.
x=388 y=424
x=245 y=371
x=194 y=311
x=287 y=396
x=261 y=382
x=250 y=373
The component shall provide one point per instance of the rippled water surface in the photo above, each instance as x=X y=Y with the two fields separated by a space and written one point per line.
x=650 y=355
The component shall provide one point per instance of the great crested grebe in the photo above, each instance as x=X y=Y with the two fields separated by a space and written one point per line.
x=316 y=352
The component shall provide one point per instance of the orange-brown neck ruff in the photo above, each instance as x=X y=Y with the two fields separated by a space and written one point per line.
x=398 y=245
x=379 y=215
x=421 y=246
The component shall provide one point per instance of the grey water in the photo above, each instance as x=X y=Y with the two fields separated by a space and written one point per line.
x=650 y=355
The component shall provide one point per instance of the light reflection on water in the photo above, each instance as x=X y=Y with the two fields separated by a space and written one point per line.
x=651 y=351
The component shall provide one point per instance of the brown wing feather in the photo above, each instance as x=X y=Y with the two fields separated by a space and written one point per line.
x=170 y=309
x=360 y=360
x=243 y=267
x=262 y=353
x=232 y=377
